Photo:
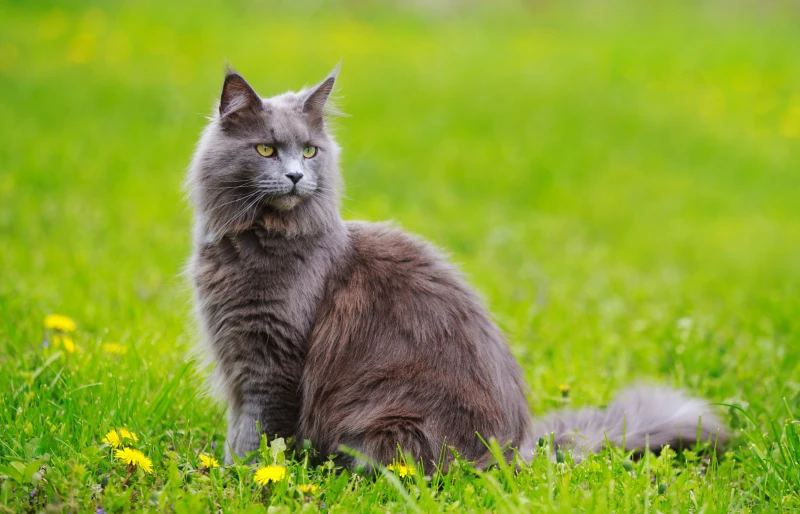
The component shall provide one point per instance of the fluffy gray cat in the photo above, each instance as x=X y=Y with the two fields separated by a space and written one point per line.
x=358 y=334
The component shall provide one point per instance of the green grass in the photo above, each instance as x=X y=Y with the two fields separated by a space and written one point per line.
x=619 y=180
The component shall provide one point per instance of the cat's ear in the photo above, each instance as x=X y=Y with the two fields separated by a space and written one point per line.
x=237 y=95
x=317 y=97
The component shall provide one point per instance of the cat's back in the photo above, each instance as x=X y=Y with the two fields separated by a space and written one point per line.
x=407 y=277
x=395 y=258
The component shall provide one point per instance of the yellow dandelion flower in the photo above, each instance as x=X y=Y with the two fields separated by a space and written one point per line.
x=59 y=322
x=69 y=344
x=307 y=488
x=208 y=461
x=401 y=470
x=126 y=434
x=115 y=348
x=112 y=438
x=115 y=437
x=133 y=457
x=269 y=474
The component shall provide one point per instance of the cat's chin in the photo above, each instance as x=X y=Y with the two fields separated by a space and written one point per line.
x=286 y=202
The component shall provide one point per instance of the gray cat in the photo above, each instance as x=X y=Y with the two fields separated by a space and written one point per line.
x=358 y=334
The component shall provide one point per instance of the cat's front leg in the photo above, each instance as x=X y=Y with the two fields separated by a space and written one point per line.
x=243 y=435
x=265 y=400
x=247 y=423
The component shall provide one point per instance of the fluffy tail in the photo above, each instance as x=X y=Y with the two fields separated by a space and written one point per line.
x=640 y=418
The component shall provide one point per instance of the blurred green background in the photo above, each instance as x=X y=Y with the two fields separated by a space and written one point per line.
x=618 y=179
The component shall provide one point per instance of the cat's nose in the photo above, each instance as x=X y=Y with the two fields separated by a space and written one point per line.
x=295 y=176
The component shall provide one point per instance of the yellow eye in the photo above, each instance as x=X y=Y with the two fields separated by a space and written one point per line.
x=266 y=151
x=309 y=152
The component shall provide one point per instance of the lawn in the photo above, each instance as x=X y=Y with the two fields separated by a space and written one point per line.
x=619 y=180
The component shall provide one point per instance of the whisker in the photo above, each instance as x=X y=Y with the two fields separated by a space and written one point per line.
x=233 y=220
x=230 y=185
x=238 y=199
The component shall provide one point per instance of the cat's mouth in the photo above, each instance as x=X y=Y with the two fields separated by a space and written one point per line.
x=289 y=200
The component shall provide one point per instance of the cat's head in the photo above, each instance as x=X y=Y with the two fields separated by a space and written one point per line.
x=266 y=160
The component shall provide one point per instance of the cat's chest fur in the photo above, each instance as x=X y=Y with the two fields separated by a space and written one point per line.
x=258 y=295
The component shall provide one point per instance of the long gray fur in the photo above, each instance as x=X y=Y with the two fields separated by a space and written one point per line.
x=358 y=334
x=642 y=417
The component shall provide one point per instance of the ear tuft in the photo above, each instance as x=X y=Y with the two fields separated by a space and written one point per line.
x=317 y=97
x=237 y=94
